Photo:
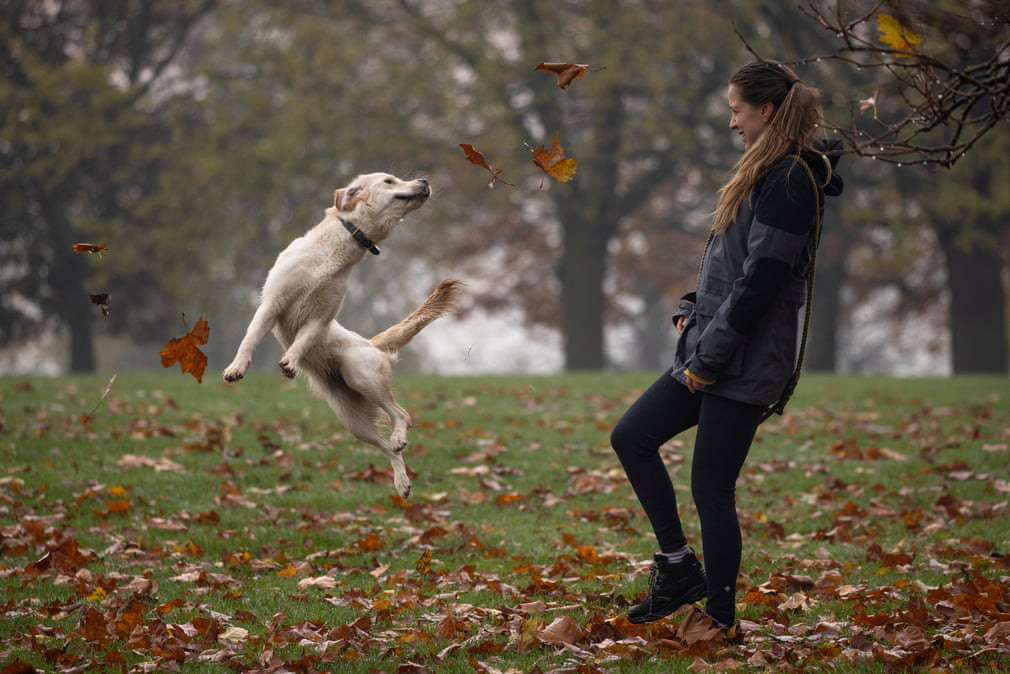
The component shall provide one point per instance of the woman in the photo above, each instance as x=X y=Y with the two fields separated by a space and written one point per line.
x=738 y=338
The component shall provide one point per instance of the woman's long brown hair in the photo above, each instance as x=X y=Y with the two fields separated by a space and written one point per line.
x=794 y=125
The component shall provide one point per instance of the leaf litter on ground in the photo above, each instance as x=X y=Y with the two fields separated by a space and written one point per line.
x=854 y=556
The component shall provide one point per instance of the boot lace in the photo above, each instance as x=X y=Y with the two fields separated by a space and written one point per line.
x=653 y=577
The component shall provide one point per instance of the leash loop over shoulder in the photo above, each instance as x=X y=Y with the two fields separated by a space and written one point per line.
x=779 y=406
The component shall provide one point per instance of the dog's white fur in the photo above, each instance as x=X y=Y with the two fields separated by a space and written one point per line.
x=303 y=293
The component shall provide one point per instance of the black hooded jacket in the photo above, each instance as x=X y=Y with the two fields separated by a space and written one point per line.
x=742 y=330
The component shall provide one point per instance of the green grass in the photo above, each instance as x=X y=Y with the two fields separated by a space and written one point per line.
x=889 y=494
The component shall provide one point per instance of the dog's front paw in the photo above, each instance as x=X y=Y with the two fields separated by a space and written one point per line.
x=234 y=372
x=287 y=369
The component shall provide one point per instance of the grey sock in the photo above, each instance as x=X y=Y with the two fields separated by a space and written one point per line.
x=677 y=556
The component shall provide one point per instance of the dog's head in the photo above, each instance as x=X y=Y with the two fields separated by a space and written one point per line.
x=381 y=198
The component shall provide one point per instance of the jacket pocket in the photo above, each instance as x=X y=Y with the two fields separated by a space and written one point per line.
x=723 y=343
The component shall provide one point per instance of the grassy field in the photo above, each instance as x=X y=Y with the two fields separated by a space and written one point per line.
x=212 y=527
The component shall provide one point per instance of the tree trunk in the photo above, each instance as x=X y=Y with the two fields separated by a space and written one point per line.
x=978 y=337
x=822 y=341
x=68 y=278
x=656 y=327
x=583 y=263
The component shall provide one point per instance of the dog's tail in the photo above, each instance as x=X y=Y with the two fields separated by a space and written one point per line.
x=441 y=300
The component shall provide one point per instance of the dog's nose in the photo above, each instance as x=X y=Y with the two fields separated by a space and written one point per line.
x=423 y=181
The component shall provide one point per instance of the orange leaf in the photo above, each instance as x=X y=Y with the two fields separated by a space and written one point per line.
x=129 y=619
x=475 y=157
x=509 y=497
x=554 y=163
x=118 y=506
x=566 y=72
x=185 y=350
x=369 y=543
x=90 y=247
x=288 y=571
x=424 y=563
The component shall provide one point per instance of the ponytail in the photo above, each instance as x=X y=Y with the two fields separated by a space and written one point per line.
x=794 y=125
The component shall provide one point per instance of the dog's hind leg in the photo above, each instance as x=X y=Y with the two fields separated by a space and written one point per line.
x=359 y=416
x=362 y=424
x=373 y=383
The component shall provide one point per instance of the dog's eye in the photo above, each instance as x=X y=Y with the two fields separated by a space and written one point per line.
x=388 y=181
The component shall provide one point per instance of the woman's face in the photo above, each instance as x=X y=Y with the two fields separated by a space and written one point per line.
x=748 y=120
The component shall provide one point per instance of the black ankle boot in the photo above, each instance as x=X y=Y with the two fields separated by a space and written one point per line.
x=670 y=587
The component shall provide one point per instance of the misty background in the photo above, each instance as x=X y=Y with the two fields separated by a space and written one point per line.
x=197 y=138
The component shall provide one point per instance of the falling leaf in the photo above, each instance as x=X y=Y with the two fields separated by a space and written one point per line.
x=423 y=565
x=554 y=163
x=102 y=300
x=896 y=35
x=105 y=394
x=475 y=157
x=867 y=103
x=185 y=350
x=566 y=72
x=90 y=247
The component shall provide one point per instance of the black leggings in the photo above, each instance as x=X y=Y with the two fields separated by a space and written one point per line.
x=725 y=432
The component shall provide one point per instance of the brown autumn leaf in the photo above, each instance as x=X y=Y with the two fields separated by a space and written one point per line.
x=554 y=162
x=137 y=461
x=475 y=157
x=562 y=630
x=128 y=620
x=101 y=300
x=93 y=627
x=90 y=247
x=423 y=565
x=185 y=350
x=66 y=556
x=566 y=72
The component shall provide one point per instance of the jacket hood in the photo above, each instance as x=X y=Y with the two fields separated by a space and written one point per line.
x=832 y=149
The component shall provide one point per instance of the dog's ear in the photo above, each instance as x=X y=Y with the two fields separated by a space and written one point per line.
x=343 y=198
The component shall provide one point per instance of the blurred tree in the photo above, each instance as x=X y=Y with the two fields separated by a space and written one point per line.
x=650 y=111
x=84 y=85
x=970 y=211
x=197 y=165
x=942 y=98
x=944 y=60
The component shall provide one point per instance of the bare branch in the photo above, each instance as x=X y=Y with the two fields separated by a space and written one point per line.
x=934 y=100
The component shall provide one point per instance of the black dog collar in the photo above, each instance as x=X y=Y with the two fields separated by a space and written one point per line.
x=360 y=237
